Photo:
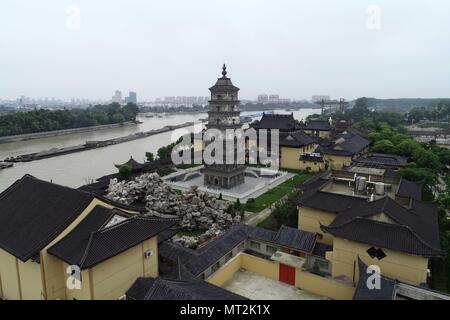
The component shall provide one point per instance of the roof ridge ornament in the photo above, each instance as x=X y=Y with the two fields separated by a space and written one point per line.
x=224 y=70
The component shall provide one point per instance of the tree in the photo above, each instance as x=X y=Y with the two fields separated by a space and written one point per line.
x=150 y=156
x=383 y=146
x=426 y=159
x=408 y=147
x=125 y=170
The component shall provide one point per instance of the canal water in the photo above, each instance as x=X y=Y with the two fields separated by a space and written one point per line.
x=77 y=169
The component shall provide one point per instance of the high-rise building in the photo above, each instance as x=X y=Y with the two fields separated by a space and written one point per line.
x=223 y=114
x=117 y=97
x=132 y=98
x=319 y=98
x=274 y=98
x=263 y=98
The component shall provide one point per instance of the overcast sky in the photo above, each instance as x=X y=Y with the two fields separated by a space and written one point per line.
x=176 y=47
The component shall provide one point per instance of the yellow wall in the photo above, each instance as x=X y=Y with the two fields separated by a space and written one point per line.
x=47 y=279
x=406 y=268
x=9 y=276
x=112 y=278
x=263 y=267
x=337 y=162
x=30 y=280
x=323 y=286
x=310 y=220
x=53 y=268
x=225 y=273
x=84 y=293
x=290 y=157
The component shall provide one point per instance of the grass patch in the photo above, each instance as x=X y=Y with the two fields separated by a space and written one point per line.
x=270 y=197
x=269 y=223
x=191 y=233
x=165 y=172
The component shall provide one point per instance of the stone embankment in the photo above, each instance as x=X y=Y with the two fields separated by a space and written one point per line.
x=89 y=145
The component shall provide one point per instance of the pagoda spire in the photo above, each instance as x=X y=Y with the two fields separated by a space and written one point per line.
x=224 y=70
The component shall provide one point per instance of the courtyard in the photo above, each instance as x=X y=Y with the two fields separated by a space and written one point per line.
x=256 y=287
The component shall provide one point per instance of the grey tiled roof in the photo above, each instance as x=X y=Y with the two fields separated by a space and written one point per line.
x=90 y=242
x=34 y=212
x=410 y=189
x=197 y=261
x=327 y=201
x=381 y=159
x=165 y=289
x=415 y=230
x=133 y=164
x=352 y=144
x=319 y=125
x=283 y=122
x=295 y=139
x=296 y=239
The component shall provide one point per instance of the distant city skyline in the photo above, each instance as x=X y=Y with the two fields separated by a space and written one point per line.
x=294 y=48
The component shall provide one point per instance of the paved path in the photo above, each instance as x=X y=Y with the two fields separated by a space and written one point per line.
x=256 y=218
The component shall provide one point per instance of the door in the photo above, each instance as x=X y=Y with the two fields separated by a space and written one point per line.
x=287 y=274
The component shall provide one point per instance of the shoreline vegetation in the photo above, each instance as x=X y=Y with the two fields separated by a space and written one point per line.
x=63 y=132
x=43 y=120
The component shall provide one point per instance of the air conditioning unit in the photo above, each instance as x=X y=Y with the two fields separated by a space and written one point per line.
x=148 y=254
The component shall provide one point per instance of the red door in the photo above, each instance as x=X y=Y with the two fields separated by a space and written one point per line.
x=287 y=274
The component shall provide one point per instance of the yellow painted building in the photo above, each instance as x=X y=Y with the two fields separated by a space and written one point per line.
x=356 y=229
x=60 y=227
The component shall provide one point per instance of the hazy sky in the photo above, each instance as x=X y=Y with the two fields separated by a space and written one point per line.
x=160 y=48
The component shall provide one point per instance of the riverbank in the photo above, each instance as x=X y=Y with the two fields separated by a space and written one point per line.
x=55 y=133
x=89 y=145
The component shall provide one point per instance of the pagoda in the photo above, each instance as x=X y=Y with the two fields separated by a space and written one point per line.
x=224 y=114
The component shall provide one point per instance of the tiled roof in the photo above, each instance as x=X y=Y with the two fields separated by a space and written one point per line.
x=165 y=289
x=92 y=241
x=133 y=164
x=410 y=189
x=196 y=261
x=327 y=201
x=382 y=160
x=350 y=145
x=283 y=122
x=296 y=239
x=319 y=125
x=415 y=230
x=34 y=212
x=295 y=139
x=315 y=182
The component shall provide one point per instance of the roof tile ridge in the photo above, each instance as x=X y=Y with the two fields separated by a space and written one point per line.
x=86 y=250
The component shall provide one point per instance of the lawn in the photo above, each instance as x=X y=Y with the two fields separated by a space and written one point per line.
x=165 y=172
x=191 y=233
x=272 y=196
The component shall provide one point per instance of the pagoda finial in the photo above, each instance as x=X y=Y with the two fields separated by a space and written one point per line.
x=224 y=70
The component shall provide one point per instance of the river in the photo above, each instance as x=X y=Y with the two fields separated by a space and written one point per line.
x=77 y=169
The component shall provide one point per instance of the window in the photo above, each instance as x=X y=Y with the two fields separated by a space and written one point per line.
x=255 y=245
x=376 y=253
